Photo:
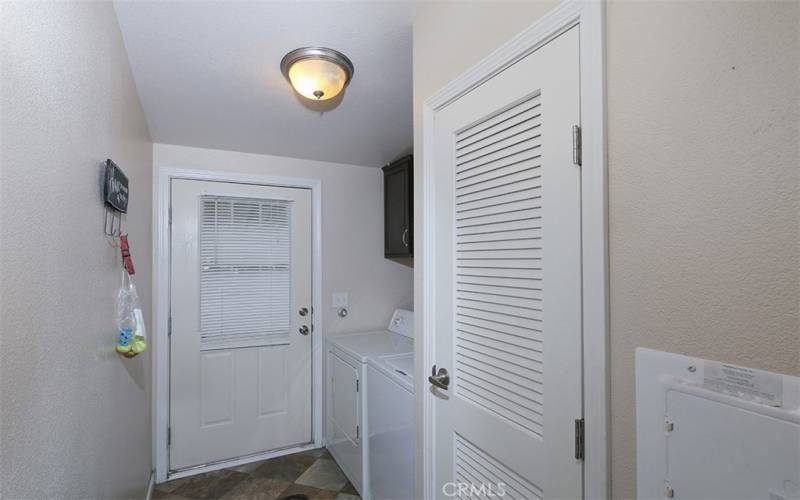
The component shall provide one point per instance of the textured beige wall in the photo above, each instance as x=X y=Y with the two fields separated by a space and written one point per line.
x=75 y=415
x=703 y=117
x=352 y=230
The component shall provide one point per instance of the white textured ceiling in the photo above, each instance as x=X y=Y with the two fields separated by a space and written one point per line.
x=208 y=75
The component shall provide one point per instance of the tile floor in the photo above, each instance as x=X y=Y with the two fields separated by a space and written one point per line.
x=311 y=475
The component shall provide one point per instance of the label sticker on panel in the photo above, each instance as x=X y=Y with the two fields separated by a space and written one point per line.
x=744 y=383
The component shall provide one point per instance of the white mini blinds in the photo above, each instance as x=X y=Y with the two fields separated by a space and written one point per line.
x=245 y=271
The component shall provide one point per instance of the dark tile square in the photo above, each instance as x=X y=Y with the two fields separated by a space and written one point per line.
x=170 y=486
x=257 y=488
x=323 y=474
x=347 y=496
x=286 y=468
x=310 y=474
x=349 y=489
x=210 y=485
x=165 y=495
x=300 y=492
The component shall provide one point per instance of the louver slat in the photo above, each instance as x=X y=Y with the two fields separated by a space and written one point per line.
x=473 y=465
x=245 y=272
x=498 y=270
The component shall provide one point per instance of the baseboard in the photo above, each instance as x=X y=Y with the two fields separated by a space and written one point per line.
x=151 y=485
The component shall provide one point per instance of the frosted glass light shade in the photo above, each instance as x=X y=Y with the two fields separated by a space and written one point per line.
x=317 y=78
x=317 y=73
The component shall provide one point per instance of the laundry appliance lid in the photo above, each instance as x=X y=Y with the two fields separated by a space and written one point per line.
x=373 y=344
x=398 y=367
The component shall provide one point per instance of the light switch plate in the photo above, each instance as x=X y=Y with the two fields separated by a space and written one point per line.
x=341 y=299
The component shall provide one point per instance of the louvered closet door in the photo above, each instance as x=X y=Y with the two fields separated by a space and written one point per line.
x=508 y=283
x=240 y=369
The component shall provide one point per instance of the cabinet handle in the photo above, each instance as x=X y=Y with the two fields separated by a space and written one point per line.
x=403 y=238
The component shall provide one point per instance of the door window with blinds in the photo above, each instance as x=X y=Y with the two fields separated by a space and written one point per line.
x=245 y=271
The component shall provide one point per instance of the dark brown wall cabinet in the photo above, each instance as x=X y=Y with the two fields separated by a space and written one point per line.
x=398 y=208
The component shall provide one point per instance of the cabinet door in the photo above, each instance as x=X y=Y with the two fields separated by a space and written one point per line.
x=344 y=402
x=398 y=206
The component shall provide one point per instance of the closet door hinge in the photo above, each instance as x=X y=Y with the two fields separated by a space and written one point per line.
x=169 y=326
x=358 y=384
x=358 y=432
x=169 y=436
x=580 y=440
x=169 y=216
x=577 y=146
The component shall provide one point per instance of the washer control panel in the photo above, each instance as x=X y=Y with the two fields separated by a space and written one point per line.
x=402 y=322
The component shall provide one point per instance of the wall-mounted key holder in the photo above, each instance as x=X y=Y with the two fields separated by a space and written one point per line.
x=115 y=196
x=132 y=337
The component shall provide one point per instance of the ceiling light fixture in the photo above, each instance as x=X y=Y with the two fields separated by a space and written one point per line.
x=317 y=73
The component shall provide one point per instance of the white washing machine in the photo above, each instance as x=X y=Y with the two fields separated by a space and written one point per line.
x=347 y=423
x=390 y=413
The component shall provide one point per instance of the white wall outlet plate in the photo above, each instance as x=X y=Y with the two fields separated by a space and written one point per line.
x=341 y=299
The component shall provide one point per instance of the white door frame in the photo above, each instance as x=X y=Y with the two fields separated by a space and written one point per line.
x=594 y=232
x=159 y=342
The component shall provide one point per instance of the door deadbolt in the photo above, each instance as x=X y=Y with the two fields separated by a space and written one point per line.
x=304 y=330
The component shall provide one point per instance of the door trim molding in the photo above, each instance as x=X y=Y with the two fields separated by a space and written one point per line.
x=590 y=16
x=159 y=341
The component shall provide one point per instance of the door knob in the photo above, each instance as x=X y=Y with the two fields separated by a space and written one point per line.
x=440 y=379
x=303 y=311
x=304 y=330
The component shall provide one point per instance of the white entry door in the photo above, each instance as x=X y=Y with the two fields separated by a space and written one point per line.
x=240 y=347
x=508 y=282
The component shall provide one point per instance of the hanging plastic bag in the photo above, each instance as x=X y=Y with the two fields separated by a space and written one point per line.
x=129 y=319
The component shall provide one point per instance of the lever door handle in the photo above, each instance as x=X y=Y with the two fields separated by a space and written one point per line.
x=440 y=378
